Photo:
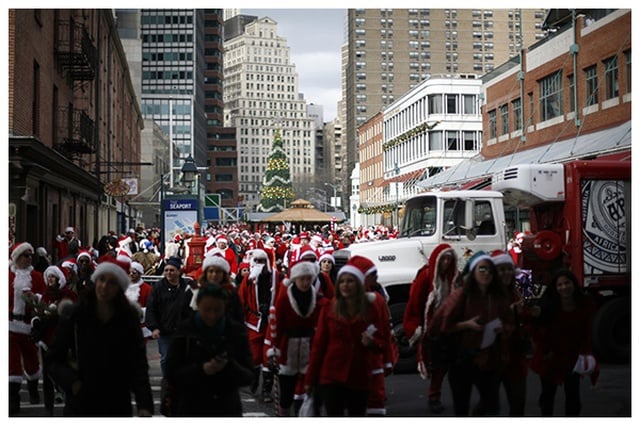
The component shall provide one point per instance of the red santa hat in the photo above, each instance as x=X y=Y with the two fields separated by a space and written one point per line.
x=365 y=265
x=307 y=251
x=124 y=257
x=115 y=268
x=19 y=249
x=69 y=265
x=353 y=270
x=243 y=265
x=137 y=266
x=216 y=260
x=222 y=239
x=83 y=253
x=499 y=257
x=327 y=256
x=56 y=272
x=303 y=235
x=260 y=254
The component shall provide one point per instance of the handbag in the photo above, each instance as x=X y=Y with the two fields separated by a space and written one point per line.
x=306 y=410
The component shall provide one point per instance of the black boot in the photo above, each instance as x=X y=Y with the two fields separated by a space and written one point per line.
x=34 y=395
x=256 y=380
x=267 y=386
x=14 y=398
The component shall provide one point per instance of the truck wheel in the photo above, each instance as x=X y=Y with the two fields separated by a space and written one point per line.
x=407 y=355
x=612 y=331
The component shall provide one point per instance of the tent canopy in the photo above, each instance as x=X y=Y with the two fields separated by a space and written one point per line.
x=300 y=211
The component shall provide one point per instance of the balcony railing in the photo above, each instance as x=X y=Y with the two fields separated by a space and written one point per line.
x=75 y=51
x=76 y=132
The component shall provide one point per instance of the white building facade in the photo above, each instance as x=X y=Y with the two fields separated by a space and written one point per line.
x=432 y=127
x=260 y=95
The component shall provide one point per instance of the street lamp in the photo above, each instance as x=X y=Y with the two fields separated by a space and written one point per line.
x=189 y=171
x=335 y=198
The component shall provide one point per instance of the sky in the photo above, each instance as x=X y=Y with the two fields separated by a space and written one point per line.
x=315 y=38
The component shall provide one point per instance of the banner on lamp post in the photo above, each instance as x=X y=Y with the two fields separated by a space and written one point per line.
x=179 y=214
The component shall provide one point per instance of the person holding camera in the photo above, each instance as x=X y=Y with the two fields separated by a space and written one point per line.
x=209 y=360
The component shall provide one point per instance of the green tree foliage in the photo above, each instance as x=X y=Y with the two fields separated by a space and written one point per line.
x=277 y=191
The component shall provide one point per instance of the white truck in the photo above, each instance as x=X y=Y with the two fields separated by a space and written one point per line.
x=468 y=220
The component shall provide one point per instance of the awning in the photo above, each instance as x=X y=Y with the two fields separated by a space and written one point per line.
x=405 y=177
x=596 y=144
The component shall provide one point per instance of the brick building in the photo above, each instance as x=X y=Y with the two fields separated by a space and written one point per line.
x=74 y=124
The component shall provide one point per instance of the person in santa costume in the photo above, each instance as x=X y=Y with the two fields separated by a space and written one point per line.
x=101 y=327
x=138 y=292
x=515 y=248
x=292 y=322
x=25 y=283
x=229 y=254
x=350 y=333
x=61 y=243
x=431 y=286
x=56 y=298
x=381 y=364
x=257 y=294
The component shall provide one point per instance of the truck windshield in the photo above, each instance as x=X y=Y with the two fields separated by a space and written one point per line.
x=419 y=217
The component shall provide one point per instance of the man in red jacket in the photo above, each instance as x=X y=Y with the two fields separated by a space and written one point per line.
x=26 y=287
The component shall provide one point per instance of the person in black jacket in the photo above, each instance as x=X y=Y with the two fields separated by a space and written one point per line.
x=209 y=360
x=98 y=355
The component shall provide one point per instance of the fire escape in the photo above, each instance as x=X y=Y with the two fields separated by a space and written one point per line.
x=78 y=58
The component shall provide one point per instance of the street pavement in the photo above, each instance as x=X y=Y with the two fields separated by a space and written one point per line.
x=407 y=395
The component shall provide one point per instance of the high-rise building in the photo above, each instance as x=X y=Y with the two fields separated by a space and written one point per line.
x=260 y=96
x=392 y=50
x=173 y=65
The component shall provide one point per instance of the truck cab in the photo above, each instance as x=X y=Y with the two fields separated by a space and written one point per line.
x=467 y=220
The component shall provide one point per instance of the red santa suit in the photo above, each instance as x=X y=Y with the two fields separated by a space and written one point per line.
x=138 y=293
x=23 y=353
x=291 y=332
x=256 y=304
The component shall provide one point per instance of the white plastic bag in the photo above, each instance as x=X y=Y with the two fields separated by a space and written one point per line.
x=306 y=410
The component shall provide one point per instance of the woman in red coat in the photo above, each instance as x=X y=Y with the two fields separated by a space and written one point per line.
x=431 y=286
x=561 y=334
x=349 y=333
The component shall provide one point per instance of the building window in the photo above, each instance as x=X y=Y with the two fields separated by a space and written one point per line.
x=504 y=119
x=452 y=141
x=550 y=96
x=469 y=140
x=492 y=124
x=591 y=77
x=571 y=83
x=452 y=104
x=435 y=104
x=469 y=104
x=611 y=79
x=627 y=63
x=516 y=105
x=435 y=141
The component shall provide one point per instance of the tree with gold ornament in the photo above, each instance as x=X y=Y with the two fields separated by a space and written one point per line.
x=277 y=191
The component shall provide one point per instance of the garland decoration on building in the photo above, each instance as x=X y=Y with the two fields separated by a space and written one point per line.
x=408 y=135
x=277 y=191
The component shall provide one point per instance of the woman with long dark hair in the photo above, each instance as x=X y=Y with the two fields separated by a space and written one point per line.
x=349 y=335
x=561 y=333
x=478 y=317
x=98 y=355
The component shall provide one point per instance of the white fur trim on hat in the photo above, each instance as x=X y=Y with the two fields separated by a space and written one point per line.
x=474 y=261
x=302 y=269
x=83 y=254
x=327 y=256
x=69 y=229
x=54 y=270
x=216 y=260
x=138 y=267
x=502 y=259
x=113 y=269
x=353 y=271
x=19 y=249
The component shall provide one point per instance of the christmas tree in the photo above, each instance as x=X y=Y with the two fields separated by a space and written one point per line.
x=277 y=192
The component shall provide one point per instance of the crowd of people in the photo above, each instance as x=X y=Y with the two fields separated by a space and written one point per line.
x=270 y=311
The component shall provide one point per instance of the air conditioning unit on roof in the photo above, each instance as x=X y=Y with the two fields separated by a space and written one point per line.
x=527 y=185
